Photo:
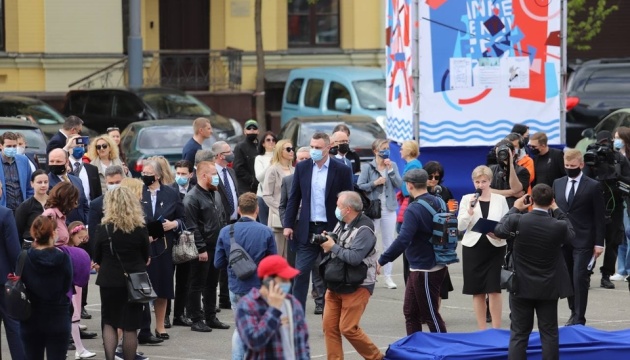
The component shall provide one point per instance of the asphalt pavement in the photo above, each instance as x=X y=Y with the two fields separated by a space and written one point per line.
x=383 y=321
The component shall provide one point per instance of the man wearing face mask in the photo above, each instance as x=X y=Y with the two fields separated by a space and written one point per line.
x=87 y=172
x=245 y=154
x=21 y=149
x=58 y=172
x=204 y=217
x=183 y=177
x=341 y=151
x=548 y=161
x=15 y=175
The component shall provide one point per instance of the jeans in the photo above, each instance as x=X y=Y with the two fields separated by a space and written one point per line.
x=238 y=347
x=12 y=330
x=623 y=260
x=263 y=211
x=386 y=226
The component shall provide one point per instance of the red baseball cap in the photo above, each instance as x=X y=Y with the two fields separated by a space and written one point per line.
x=276 y=265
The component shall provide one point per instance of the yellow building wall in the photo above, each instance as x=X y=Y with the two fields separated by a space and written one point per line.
x=24 y=25
x=150 y=24
x=232 y=24
x=21 y=79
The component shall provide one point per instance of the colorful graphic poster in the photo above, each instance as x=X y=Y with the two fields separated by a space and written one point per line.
x=399 y=69
x=513 y=50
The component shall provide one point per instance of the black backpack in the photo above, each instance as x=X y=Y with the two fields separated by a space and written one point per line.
x=16 y=300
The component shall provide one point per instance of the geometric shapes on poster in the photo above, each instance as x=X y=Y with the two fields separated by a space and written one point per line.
x=460 y=73
x=494 y=25
x=553 y=39
x=536 y=66
x=516 y=35
x=551 y=80
x=518 y=77
x=434 y=4
x=532 y=53
x=475 y=98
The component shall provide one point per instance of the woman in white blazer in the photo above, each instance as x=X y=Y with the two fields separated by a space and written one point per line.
x=482 y=254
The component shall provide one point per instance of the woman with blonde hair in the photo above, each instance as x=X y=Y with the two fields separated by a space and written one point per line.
x=103 y=152
x=168 y=177
x=122 y=234
x=134 y=184
x=281 y=165
x=482 y=254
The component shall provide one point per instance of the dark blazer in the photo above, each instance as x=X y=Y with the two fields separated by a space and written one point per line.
x=57 y=141
x=338 y=180
x=9 y=243
x=94 y=219
x=285 y=190
x=94 y=181
x=132 y=248
x=83 y=209
x=223 y=193
x=541 y=272
x=169 y=206
x=586 y=212
x=176 y=188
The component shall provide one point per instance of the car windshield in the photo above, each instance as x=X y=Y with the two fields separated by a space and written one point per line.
x=362 y=134
x=34 y=137
x=41 y=113
x=173 y=105
x=371 y=93
x=153 y=138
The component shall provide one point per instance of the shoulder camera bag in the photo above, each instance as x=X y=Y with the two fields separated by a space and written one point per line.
x=17 y=303
x=239 y=260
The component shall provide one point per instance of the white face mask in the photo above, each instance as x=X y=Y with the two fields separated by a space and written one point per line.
x=21 y=150
x=111 y=187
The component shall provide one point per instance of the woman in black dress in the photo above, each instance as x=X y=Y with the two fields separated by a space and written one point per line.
x=26 y=213
x=47 y=275
x=123 y=225
x=482 y=254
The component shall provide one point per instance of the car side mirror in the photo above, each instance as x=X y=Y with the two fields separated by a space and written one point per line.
x=588 y=133
x=342 y=104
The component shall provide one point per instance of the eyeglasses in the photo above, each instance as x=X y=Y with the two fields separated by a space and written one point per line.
x=270 y=140
x=99 y=147
x=289 y=149
x=113 y=128
x=434 y=177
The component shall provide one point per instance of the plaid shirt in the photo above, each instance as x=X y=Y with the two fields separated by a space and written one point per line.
x=258 y=324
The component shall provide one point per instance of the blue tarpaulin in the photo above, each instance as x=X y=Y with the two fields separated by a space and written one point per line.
x=576 y=343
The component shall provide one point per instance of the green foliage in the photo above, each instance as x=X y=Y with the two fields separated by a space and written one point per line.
x=591 y=18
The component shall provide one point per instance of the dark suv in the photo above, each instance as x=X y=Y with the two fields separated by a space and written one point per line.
x=102 y=108
x=595 y=89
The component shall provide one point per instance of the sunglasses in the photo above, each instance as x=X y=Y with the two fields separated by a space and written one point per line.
x=99 y=147
x=289 y=149
x=113 y=128
x=270 y=140
x=434 y=177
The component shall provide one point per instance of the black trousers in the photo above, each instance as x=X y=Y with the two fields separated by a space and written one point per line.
x=614 y=237
x=577 y=261
x=204 y=278
x=224 y=290
x=182 y=287
x=522 y=323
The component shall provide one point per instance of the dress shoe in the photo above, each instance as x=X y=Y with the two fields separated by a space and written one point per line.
x=200 y=326
x=182 y=321
x=216 y=324
x=71 y=346
x=318 y=310
x=149 y=340
x=85 y=354
x=167 y=322
x=163 y=336
x=88 y=335
x=85 y=315
x=217 y=309
x=606 y=283
x=570 y=321
x=224 y=305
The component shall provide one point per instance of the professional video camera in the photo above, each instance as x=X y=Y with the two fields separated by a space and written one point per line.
x=597 y=154
x=320 y=239
x=503 y=152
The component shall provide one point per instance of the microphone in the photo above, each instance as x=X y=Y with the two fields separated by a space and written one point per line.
x=437 y=189
x=476 y=196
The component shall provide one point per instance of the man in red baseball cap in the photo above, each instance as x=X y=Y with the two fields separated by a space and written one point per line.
x=269 y=320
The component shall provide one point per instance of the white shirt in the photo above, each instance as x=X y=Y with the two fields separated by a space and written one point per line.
x=344 y=160
x=569 y=183
x=220 y=168
x=82 y=175
x=318 y=192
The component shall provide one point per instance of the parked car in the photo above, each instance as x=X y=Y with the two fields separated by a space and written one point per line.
x=102 y=108
x=143 y=139
x=363 y=131
x=341 y=90
x=35 y=139
x=611 y=123
x=37 y=112
x=595 y=89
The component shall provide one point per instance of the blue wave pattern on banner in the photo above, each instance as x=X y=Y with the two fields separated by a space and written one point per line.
x=399 y=129
x=477 y=130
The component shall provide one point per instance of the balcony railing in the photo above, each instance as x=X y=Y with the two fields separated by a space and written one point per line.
x=206 y=70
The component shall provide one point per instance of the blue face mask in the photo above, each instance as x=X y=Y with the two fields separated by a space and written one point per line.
x=9 y=152
x=316 y=154
x=338 y=214
x=181 y=180
x=78 y=152
x=384 y=154
x=285 y=287
x=618 y=144
x=215 y=180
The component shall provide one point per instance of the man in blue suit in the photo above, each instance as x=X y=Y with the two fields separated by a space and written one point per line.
x=9 y=251
x=316 y=184
x=71 y=127
x=15 y=174
x=58 y=171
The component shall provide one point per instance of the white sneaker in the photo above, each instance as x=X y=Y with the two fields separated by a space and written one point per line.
x=617 y=277
x=389 y=283
x=85 y=354
x=82 y=327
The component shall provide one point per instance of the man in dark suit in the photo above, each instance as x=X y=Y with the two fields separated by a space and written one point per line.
x=88 y=173
x=541 y=276
x=58 y=171
x=9 y=252
x=316 y=185
x=580 y=197
x=72 y=126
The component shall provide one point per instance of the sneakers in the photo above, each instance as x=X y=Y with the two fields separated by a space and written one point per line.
x=389 y=283
x=119 y=356
x=618 y=277
x=85 y=354
x=606 y=283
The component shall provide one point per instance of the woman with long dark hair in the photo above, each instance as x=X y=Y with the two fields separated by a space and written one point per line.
x=26 y=213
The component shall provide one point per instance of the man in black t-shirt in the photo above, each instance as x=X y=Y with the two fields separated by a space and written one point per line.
x=548 y=162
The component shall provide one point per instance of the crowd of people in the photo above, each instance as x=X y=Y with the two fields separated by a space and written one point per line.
x=300 y=215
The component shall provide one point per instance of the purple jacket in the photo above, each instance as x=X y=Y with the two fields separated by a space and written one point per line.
x=81 y=265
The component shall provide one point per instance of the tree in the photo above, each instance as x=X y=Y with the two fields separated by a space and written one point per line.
x=584 y=22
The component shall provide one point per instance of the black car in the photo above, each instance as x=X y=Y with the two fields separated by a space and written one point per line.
x=37 y=112
x=167 y=138
x=595 y=89
x=363 y=131
x=103 y=108
x=35 y=139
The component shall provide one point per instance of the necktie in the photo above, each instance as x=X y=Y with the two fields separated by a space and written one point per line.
x=228 y=191
x=571 y=193
x=77 y=168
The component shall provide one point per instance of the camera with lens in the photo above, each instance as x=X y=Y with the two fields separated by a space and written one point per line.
x=503 y=149
x=597 y=154
x=318 y=239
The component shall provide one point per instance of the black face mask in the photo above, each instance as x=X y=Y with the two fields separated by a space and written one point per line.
x=148 y=180
x=57 y=169
x=333 y=150
x=525 y=141
x=344 y=148
x=573 y=172
x=536 y=151
x=252 y=137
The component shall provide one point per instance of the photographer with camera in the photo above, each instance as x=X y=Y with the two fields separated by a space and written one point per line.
x=508 y=179
x=351 y=254
x=612 y=170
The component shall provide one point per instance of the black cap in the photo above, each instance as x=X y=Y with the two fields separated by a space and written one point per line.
x=416 y=176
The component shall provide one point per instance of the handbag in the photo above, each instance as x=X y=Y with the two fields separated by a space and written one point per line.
x=185 y=249
x=17 y=303
x=139 y=288
x=274 y=220
x=508 y=272
x=374 y=210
